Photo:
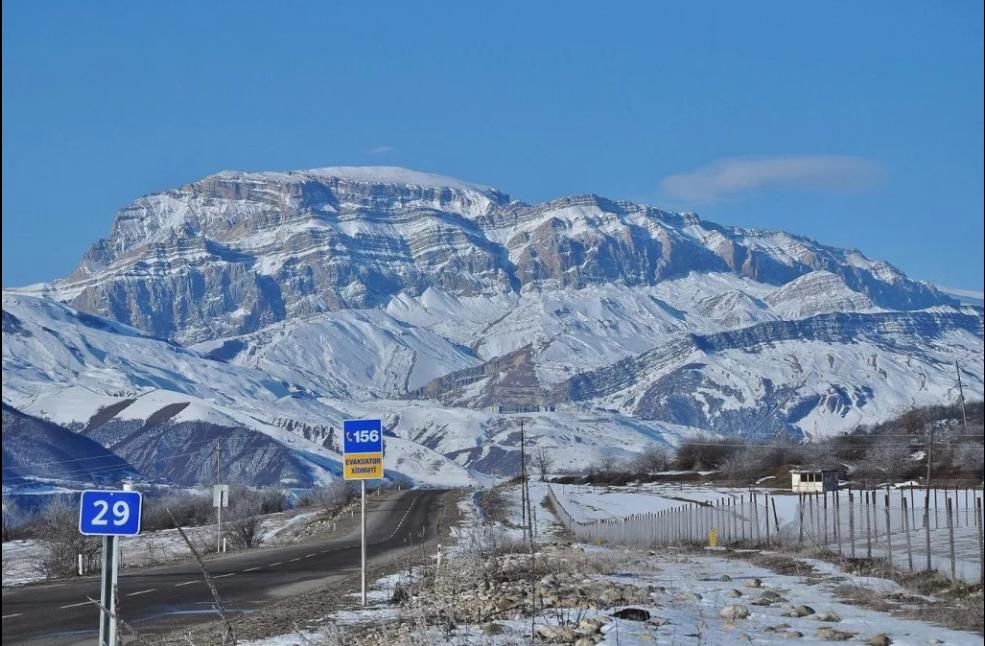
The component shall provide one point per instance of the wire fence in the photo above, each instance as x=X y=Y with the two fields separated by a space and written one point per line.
x=912 y=530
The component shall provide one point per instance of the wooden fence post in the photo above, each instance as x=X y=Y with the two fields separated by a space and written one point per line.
x=755 y=517
x=906 y=530
x=868 y=528
x=926 y=524
x=825 y=517
x=742 y=516
x=950 y=531
x=889 y=534
x=800 y=516
x=766 y=502
x=979 y=522
x=811 y=520
x=851 y=521
x=776 y=520
x=913 y=510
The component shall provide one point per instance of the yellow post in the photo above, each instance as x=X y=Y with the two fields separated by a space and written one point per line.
x=713 y=537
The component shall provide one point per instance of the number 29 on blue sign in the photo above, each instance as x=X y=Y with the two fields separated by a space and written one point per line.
x=110 y=513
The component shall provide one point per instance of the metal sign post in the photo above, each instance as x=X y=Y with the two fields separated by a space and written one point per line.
x=107 y=592
x=362 y=460
x=220 y=499
x=363 y=522
x=109 y=514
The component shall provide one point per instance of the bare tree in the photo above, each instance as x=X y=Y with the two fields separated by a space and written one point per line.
x=245 y=526
x=704 y=452
x=970 y=457
x=887 y=458
x=607 y=464
x=543 y=461
x=654 y=458
x=331 y=497
x=187 y=509
x=63 y=544
x=739 y=467
x=12 y=516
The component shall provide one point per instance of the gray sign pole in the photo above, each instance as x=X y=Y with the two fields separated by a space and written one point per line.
x=107 y=595
x=363 y=482
x=218 y=535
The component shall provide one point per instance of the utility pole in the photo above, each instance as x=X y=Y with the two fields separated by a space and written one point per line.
x=964 y=414
x=523 y=477
x=926 y=507
x=218 y=481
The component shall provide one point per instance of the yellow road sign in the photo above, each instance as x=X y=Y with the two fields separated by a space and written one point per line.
x=363 y=466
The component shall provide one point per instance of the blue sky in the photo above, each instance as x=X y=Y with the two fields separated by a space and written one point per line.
x=858 y=124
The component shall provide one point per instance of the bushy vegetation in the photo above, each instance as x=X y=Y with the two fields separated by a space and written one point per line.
x=190 y=509
x=57 y=528
x=330 y=497
x=894 y=450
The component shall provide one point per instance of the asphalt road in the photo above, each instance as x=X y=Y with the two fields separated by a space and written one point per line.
x=161 y=598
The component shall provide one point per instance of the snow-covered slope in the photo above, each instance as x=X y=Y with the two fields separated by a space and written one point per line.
x=262 y=309
x=117 y=384
x=819 y=376
x=352 y=354
x=36 y=450
x=816 y=293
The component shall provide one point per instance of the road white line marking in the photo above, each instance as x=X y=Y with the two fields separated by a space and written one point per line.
x=308 y=556
x=403 y=518
x=277 y=563
x=252 y=569
x=223 y=576
x=325 y=551
x=297 y=559
x=76 y=605
x=178 y=585
x=16 y=614
x=137 y=594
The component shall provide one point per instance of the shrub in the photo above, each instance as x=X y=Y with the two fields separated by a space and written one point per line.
x=58 y=531
x=189 y=510
x=243 y=524
x=703 y=452
x=330 y=497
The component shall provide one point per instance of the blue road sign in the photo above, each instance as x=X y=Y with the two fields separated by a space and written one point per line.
x=362 y=436
x=110 y=513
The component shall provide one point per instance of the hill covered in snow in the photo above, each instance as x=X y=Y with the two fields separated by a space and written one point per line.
x=262 y=309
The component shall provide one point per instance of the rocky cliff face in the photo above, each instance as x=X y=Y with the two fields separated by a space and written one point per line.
x=235 y=252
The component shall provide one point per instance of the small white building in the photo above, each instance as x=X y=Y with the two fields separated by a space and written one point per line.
x=806 y=480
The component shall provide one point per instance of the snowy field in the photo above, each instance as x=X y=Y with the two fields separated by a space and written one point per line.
x=685 y=606
x=688 y=599
x=588 y=503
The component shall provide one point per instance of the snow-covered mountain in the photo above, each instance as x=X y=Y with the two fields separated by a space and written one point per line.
x=235 y=252
x=262 y=309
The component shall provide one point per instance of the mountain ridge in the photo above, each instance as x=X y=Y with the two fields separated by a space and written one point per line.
x=234 y=252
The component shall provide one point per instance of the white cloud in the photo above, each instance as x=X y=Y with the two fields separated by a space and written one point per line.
x=381 y=150
x=729 y=177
